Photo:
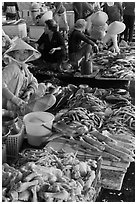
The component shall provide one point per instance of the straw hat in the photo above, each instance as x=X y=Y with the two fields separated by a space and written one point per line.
x=110 y=3
x=115 y=28
x=80 y=24
x=99 y=18
x=35 y=6
x=46 y=16
x=19 y=44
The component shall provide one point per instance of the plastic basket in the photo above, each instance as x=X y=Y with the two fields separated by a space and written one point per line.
x=4 y=155
x=14 y=143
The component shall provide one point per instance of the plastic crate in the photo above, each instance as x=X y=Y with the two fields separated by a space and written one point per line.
x=14 y=143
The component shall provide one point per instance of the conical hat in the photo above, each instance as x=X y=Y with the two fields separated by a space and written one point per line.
x=19 y=44
x=116 y=27
x=99 y=18
x=110 y=3
x=80 y=24
x=46 y=16
x=35 y=6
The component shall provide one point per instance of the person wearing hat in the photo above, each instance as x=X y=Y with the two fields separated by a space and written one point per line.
x=98 y=25
x=60 y=17
x=35 y=11
x=51 y=44
x=79 y=44
x=111 y=37
x=18 y=83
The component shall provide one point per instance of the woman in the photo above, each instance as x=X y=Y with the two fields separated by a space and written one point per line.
x=78 y=49
x=98 y=25
x=18 y=83
x=60 y=17
x=52 y=45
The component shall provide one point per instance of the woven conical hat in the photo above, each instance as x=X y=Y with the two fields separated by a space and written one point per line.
x=35 y=6
x=110 y=3
x=99 y=18
x=46 y=16
x=19 y=44
x=116 y=27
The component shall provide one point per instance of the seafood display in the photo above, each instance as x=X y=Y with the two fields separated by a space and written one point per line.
x=115 y=67
x=50 y=176
x=90 y=120
x=106 y=65
x=93 y=132
x=89 y=123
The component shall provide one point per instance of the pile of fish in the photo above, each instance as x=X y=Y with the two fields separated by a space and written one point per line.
x=97 y=122
x=115 y=66
x=48 y=176
x=120 y=69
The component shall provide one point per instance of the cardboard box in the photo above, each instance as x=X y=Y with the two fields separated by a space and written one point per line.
x=35 y=31
x=70 y=19
x=15 y=30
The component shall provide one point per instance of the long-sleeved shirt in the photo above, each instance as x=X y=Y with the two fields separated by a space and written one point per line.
x=129 y=8
x=56 y=41
x=59 y=7
x=83 y=9
x=114 y=12
x=75 y=40
x=16 y=81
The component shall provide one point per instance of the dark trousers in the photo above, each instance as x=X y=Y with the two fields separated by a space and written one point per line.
x=128 y=32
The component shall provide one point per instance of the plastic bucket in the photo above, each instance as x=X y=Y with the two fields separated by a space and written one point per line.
x=36 y=133
x=86 y=67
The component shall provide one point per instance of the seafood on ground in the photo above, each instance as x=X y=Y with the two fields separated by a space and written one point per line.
x=53 y=177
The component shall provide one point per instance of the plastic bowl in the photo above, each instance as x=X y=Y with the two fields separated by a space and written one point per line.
x=9 y=117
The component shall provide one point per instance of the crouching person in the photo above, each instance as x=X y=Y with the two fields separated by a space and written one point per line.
x=80 y=45
x=51 y=44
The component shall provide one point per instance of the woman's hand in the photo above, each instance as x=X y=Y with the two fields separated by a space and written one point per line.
x=52 y=51
x=22 y=107
x=21 y=104
x=27 y=95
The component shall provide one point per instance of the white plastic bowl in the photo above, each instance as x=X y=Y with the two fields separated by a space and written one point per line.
x=36 y=133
